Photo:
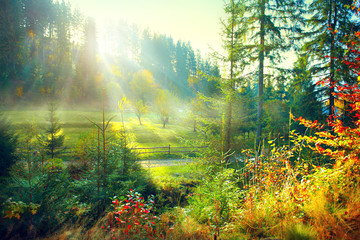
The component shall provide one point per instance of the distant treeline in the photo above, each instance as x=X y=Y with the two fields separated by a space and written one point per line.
x=48 y=48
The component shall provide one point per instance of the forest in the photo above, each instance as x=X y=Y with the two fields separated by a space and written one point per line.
x=138 y=135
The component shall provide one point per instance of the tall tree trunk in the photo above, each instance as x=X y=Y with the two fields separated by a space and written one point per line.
x=261 y=75
x=52 y=145
x=104 y=145
x=332 y=23
x=231 y=82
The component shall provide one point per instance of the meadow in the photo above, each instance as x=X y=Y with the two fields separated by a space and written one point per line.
x=274 y=196
x=77 y=123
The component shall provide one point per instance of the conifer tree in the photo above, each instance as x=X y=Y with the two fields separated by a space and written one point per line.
x=54 y=138
x=304 y=97
x=329 y=23
x=26 y=173
x=232 y=45
x=266 y=28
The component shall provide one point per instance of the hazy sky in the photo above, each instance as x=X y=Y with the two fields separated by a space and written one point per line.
x=197 y=21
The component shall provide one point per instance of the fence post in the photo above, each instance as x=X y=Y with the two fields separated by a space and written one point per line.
x=169 y=149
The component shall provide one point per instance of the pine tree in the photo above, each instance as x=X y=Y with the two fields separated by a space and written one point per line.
x=26 y=173
x=232 y=46
x=266 y=28
x=54 y=138
x=329 y=23
x=305 y=99
x=10 y=40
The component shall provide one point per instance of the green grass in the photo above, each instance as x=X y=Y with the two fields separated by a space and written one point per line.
x=76 y=123
x=173 y=175
x=151 y=133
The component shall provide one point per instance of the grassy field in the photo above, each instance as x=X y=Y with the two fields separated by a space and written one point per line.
x=166 y=175
x=76 y=123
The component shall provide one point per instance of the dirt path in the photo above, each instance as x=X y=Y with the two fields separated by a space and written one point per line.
x=163 y=162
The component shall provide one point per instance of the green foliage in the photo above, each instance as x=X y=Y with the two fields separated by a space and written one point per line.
x=8 y=144
x=216 y=199
x=68 y=192
x=53 y=194
x=325 y=40
x=300 y=232
x=53 y=139
x=143 y=86
x=174 y=185
x=304 y=97
x=12 y=209
x=164 y=106
x=283 y=191
x=140 y=109
x=276 y=117
x=26 y=176
x=54 y=164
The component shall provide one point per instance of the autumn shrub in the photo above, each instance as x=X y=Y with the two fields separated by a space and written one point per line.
x=283 y=195
x=265 y=206
x=331 y=204
x=132 y=217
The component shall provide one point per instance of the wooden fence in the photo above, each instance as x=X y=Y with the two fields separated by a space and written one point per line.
x=168 y=149
x=165 y=149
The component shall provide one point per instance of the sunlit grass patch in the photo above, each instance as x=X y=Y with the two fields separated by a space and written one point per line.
x=19 y=117
x=76 y=123
x=151 y=134
x=172 y=174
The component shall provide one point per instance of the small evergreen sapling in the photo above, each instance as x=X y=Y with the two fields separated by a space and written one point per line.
x=54 y=139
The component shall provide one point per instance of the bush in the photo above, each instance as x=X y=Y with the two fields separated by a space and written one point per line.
x=300 y=232
x=215 y=200
x=8 y=141
x=132 y=216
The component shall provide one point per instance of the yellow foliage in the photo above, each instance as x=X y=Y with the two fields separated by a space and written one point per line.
x=99 y=79
x=116 y=126
x=115 y=70
x=19 y=91
x=123 y=104
x=31 y=34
